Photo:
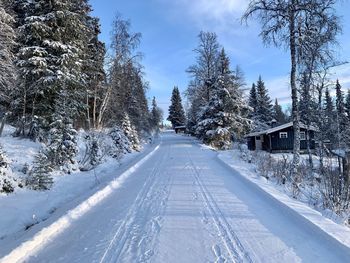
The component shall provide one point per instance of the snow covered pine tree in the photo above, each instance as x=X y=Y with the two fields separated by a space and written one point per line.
x=176 y=111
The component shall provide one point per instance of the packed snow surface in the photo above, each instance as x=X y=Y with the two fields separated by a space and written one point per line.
x=180 y=204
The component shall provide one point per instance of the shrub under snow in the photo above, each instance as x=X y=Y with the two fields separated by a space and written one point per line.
x=7 y=180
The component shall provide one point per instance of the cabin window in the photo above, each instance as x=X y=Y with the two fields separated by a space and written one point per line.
x=302 y=136
x=257 y=138
x=283 y=135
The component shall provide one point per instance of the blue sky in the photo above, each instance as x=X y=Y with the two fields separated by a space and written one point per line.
x=169 y=34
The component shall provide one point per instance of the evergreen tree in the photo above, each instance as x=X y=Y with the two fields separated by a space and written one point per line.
x=7 y=180
x=307 y=105
x=347 y=105
x=176 y=111
x=347 y=123
x=253 y=100
x=225 y=117
x=264 y=106
x=50 y=57
x=329 y=124
x=131 y=133
x=62 y=146
x=39 y=177
x=121 y=142
x=7 y=68
x=278 y=113
x=341 y=118
x=156 y=115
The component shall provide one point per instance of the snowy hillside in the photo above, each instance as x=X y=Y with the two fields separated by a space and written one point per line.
x=24 y=208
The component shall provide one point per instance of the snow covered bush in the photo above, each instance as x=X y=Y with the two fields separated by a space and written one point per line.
x=62 y=147
x=39 y=177
x=281 y=169
x=93 y=152
x=122 y=144
x=36 y=130
x=263 y=163
x=7 y=180
x=130 y=132
x=220 y=138
x=335 y=189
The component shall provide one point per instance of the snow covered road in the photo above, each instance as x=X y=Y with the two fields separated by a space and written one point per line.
x=185 y=205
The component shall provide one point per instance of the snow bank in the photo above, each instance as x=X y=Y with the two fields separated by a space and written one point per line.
x=29 y=247
x=247 y=170
x=25 y=208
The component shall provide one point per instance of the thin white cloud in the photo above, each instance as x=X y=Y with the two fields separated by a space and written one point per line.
x=207 y=14
x=216 y=9
x=279 y=88
x=342 y=73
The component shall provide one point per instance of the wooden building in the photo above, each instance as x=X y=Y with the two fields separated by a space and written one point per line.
x=180 y=129
x=280 y=138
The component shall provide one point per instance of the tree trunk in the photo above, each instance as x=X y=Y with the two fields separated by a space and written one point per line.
x=320 y=135
x=346 y=167
x=3 y=122
x=295 y=111
x=94 y=109
x=103 y=107
x=88 y=124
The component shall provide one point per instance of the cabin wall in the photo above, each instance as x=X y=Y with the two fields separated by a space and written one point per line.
x=286 y=144
x=273 y=143
x=251 y=143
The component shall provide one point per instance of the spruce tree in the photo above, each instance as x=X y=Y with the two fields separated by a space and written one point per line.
x=62 y=147
x=307 y=105
x=329 y=125
x=156 y=115
x=342 y=121
x=7 y=180
x=131 y=133
x=347 y=123
x=122 y=144
x=341 y=116
x=253 y=100
x=225 y=117
x=278 y=113
x=7 y=68
x=347 y=105
x=50 y=57
x=39 y=177
x=264 y=107
x=176 y=111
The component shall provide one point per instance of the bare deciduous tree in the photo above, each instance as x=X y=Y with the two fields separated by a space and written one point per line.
x=285 y=23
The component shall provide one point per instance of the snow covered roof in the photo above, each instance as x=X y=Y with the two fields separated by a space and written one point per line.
x=281 y=127
x=180 y=127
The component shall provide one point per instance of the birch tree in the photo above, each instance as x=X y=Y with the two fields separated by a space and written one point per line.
x=282 y=23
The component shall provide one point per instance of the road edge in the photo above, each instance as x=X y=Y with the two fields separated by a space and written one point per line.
x=288 y=208
x=47 y=234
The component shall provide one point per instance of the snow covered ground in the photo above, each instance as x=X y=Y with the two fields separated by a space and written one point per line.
x=25 y=208
x=180 y=204
x=247 y=170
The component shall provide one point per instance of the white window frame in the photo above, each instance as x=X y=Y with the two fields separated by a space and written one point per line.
x=283 y=135
x=302 y=136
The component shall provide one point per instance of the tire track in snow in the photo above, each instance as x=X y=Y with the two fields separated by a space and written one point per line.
x=123 y=233
x=233 y=246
